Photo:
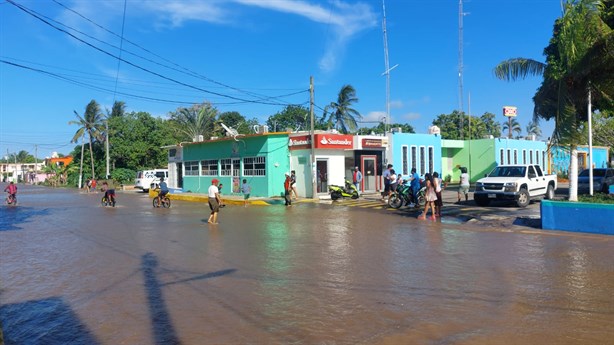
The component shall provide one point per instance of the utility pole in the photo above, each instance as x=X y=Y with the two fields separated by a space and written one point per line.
x=314 y=180
x=35 y=163
x=460 y=64
x=107 y=145
x=387 y=67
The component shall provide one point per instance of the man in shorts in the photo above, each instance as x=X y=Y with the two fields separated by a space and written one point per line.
x=464 y=185
x=246 y=190
x=386 y=175
x=214 y=201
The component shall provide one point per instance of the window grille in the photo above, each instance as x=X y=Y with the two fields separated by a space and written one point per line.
x=405 y=172
x=414 y=157
x=209 y=167
x=254 y=166
x=226 y=167
x=422 y=160
x=190 y=168
x=431 y=160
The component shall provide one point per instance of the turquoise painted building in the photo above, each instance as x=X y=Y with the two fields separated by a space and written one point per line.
x=560 y=157
x=261 y=159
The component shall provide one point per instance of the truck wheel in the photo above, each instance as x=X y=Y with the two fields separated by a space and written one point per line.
x=550 y=192
x=481 y=201
x=523 y=198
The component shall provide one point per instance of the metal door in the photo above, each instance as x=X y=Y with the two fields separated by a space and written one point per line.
x=369 y=173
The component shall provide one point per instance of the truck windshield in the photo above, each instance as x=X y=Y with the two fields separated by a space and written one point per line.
x=508 y=172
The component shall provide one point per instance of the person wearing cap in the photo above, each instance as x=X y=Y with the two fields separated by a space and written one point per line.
x=357 y=178
x=386 y=175
x=288 y=189
x=214 y=201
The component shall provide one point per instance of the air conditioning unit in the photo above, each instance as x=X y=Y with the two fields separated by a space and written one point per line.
x=214 y=138
x=434 y=130
x=396 y=130
x=265 y=129
x=198 y=138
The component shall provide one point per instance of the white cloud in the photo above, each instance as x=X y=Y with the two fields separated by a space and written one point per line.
x=396 y=104
x=411 y=116
x=374 y=116
x=345 y=19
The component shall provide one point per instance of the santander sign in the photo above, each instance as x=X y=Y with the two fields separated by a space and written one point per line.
x=322 y=141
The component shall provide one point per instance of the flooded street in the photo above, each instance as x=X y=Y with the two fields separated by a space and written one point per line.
x=74 y=272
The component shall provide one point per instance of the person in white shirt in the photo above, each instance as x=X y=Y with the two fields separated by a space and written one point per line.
x=464 y=185
x=214 y=201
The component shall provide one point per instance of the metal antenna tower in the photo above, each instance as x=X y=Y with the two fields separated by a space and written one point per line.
x=460 y=63
x=387 y=67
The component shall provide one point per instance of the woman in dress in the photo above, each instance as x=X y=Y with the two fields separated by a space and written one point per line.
x=429 y=196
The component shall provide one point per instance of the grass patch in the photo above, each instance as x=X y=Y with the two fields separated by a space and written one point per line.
x=598 y=198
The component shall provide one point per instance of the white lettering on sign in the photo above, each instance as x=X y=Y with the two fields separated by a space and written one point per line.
x=330 y=141
x=299 y=142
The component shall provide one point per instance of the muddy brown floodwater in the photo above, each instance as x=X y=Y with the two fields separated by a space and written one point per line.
x=73 y=272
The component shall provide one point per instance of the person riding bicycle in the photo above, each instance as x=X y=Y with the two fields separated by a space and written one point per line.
x=109 y=191
x=163 y=189
x=12 y=190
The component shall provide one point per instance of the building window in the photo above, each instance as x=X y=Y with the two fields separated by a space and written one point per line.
x=501 y=158
x=524 y=156
x=515 y=156
x=254 y=166
x=431 y=160
x=537 y=157
x=190 y=168
x=422 y=160
x=209 y=167
x=544 y=160
x=414 y=157
x=509 y=156
x=530 y=157
x=405 y=158
x=226 y=167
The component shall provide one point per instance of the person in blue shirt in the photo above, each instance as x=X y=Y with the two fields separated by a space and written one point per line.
x=163 y=189
x=415 y=186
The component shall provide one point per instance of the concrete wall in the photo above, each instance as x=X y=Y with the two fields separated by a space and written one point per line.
x=404 y=160
x=560 y=157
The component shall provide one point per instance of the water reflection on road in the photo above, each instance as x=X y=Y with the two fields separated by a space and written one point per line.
x=304 y=274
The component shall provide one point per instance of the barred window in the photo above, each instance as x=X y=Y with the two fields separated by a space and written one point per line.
x=190 y=168
x=226 y=167
x=509 y=156
x=524 y=157
x=254 y=166
x=515 y=156
x=422 y=160
x=537 y=157
x=530 y=157
x=501 y=158
x=405 y=172
x=209 y=167
x=414 y=157
x=431 y=160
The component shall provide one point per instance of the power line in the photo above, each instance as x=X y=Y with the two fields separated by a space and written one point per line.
x=241 y=100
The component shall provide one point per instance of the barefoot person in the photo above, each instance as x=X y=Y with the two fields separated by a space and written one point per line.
x=214 y=201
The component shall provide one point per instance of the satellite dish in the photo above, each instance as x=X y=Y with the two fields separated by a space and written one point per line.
x=231 y=132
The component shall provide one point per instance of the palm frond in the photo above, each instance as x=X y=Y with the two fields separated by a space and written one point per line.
x=518 y=68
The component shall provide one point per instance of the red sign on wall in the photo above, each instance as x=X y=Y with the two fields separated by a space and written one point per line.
x=323 y=141
x=372 y=143
x=334 y=141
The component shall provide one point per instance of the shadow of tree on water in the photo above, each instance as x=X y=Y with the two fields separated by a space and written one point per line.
x=47 y=321
x=13 y=216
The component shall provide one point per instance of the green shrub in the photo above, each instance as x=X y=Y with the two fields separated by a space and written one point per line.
x=598 y=198
x=123 y=175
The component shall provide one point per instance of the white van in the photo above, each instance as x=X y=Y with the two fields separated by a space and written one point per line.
x=146 y=178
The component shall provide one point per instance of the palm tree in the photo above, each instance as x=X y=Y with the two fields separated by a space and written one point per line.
x=340 y=113
x=533 y=129
x=512 y=125
x=90 y=123
x=580 y=37
x=197 y=120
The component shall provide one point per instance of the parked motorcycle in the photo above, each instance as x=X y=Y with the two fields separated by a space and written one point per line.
x=338 y=192
x=404 y=196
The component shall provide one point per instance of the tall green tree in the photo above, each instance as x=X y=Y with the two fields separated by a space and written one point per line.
x=381 y=128
x=294 y=117
x=340 y=113
x=534 y=129
x=91 y=123
x=578 y=57
x=492 y=126
x=197 y=120
x=449 y=126
x=510 y=126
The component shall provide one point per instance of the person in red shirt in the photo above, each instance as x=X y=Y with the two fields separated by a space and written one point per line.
x=12 y=190
x=288 y=189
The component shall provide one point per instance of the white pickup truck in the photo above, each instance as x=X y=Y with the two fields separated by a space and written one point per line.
x=520 y=183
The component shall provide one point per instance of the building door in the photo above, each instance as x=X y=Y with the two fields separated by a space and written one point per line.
x=582 y=161
x=322 y=171
x=369 y=173
x=179 y=174
x=236 y=175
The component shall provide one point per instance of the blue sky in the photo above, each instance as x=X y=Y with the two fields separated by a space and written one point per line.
x=239 y=54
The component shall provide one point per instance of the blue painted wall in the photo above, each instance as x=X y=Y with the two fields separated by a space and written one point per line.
x=561 y=157
x=403 y=161
x=577 y=217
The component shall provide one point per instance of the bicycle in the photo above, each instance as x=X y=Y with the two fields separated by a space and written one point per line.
x=164 y=201
x=11 y=199
x=108 y=202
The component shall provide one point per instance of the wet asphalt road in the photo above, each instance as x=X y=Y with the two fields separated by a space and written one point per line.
x=74 y=272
